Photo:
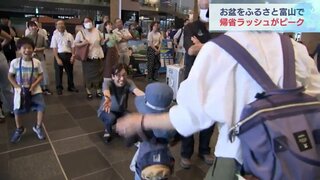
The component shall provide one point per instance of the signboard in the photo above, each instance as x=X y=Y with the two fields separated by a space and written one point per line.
x=293 y=17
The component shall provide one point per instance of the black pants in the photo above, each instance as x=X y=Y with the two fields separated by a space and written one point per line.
x=65 y=57
x=187 y=143
x=188 y=62
x=10 y=55
x=153 y=63
x=109 y=119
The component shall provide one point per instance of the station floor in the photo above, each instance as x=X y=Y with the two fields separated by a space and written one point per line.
x=74 y=148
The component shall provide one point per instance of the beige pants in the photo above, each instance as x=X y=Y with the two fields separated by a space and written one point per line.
x=223 y=169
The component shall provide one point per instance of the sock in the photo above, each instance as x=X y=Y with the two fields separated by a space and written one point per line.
x=38 y=126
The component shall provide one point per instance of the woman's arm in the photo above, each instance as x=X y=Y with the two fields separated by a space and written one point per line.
x=36 y=82
x=138 y=92
x=80 y=40
x=161 y=38
x=13 y=80
x=7 y=38
x=194 y=49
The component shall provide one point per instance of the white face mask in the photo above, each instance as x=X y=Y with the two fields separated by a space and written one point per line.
x=88 y=25
x=203 y=15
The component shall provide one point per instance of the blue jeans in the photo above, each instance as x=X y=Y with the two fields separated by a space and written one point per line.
x=37 y=104
x=109 y=119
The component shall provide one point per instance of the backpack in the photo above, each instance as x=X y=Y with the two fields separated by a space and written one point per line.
x=280 y=131
x=154 y=160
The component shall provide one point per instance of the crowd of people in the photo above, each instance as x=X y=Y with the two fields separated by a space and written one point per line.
x=105 y=70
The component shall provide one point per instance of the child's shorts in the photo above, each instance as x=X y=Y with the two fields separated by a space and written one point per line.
x=37 y=104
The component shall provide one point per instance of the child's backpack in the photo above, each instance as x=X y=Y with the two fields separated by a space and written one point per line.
x=154 y=160
x=280 y=131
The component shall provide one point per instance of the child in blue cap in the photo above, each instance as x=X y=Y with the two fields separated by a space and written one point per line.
x=153 y=158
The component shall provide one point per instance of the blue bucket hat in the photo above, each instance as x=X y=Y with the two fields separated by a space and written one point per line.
x=157 y=99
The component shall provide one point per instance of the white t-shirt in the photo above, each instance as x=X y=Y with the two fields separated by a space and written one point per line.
x=64 y=42
x=94 y=38
x=26 y=67
x=218 y=88
x=180 y=44
x=154 y=38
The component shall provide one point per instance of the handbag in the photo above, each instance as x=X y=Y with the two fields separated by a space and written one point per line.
x=25 y=102
x=104 y=46
x=81 y=52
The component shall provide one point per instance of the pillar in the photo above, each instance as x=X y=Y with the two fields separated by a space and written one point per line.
x=195 y=10
x=115 y=9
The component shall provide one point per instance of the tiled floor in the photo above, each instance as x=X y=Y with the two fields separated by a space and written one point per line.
x=73 y=148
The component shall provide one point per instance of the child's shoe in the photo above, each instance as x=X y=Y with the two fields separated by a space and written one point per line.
x=39 y=132
x=17 y=134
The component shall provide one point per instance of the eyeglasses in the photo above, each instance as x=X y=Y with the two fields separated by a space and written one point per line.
x=121 y=75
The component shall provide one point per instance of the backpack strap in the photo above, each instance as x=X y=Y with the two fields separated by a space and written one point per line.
x=179 y=38
x=289 y=79
x=247 y=61
x=20 y=71
x=241 y=55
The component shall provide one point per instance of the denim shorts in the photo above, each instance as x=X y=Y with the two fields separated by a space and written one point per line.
x=37 y=104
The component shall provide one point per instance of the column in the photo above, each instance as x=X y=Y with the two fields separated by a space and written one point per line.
x=115 y=9
x=195 y=10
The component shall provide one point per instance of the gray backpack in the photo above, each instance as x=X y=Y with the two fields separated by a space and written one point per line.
x=280 y=131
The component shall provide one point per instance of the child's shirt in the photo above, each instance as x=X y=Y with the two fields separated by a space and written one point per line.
x=26 y=68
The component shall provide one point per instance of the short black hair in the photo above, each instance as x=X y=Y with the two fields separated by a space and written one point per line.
x=23 y=41
x=118 y=67
x=32 y=23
